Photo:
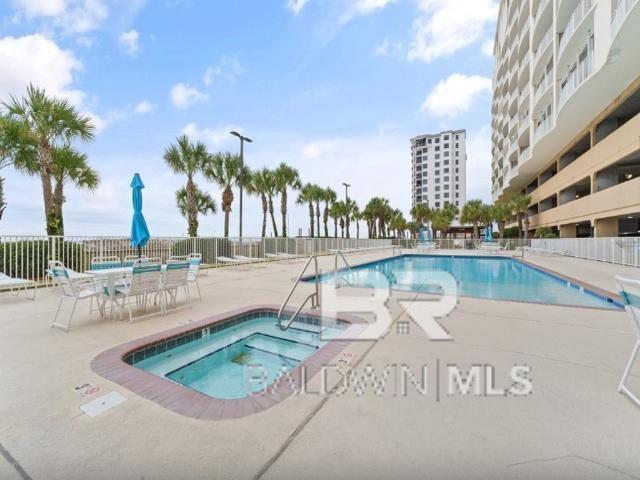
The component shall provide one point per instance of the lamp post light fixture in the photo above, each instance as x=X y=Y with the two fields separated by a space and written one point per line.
x=242 y=140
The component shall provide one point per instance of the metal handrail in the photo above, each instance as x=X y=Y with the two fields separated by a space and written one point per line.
x=315 y=296
x=335 y=269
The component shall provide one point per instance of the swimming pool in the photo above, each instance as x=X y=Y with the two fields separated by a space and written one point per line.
x=233 y=362
x=499 y=278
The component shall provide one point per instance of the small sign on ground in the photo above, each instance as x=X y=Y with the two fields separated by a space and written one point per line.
x=102 y=404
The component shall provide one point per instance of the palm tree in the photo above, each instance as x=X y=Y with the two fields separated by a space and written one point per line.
x=47 y=122
x=398 y=223
x=501 y=212
x=203 y=202
x=317 y=196
x=285 y=177
x=520 y=205
x=369 y=216
x=262 y=184
x=380 y=210
x=328 y=197
x=349 y=205
x=472 y=212
x=414 y=228
x=69 y=166
x=421 y=213
x=189 y=159
x=224 y=170
x=336 y=212
x=441 y=221
x=356 y=216
x=307 y=195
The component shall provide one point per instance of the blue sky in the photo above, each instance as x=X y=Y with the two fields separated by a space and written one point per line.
x=333 y=87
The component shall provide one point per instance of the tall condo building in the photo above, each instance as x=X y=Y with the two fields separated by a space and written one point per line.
x=439 y=164
x=566 y=113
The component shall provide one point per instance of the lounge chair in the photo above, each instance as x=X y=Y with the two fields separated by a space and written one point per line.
x=195 y=260
x=630 y=293
x=230 y=260
x=425 y=246
x=249 y=259
x=145 y=280
x=17 y=284
x=175 y=277
x=281 y=255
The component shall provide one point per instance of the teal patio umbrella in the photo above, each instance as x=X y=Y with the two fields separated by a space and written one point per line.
x=139 y=231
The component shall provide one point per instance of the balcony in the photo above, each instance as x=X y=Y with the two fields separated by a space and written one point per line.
x=545 y=41
x=578 y=73
x=542 y=127
x=577 y=16
x=525 y=154
x=523 y=123
x=542 y=87
x=620 y=11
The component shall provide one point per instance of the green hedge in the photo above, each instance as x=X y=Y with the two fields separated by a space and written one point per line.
x=30 y=258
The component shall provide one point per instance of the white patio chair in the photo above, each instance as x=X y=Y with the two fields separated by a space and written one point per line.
x=17 y=284
x=630 y=293
x=78 y=289
x=195 y=260
x=176 y=276
x=130 y=260
x=145 y=280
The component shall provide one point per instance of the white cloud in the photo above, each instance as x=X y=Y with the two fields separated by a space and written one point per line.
x=41 y=8
x=356 y=8
x=296 y=6
x=455 y=94
x=144 y=106
x=48 y=67
x=215 y=138
x=315 y=150
x=447 y=26
x=130 y=41
x=183 y=95
x=228 y=68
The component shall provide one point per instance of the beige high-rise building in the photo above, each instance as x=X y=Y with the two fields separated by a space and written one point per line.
x=566 y=113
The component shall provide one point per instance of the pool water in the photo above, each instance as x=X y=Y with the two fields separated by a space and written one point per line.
x=497 y=278
x=237 y=361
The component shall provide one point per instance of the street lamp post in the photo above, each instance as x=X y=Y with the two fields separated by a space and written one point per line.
x=346 y=204
x=242 y=140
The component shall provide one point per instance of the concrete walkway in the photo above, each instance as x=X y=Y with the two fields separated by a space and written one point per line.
x=573 y=424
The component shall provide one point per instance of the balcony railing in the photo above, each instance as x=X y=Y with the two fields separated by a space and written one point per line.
x=542 y=87
x=523 y=123
x=620 y=11
x=576 y=77
x=546 y=39
x=576 y=17
x=542 y=127
x=525 y=154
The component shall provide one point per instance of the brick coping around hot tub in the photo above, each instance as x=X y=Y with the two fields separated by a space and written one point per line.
x=111 y=365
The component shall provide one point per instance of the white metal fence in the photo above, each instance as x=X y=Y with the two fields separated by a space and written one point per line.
x=28 y=256
x=623 y=251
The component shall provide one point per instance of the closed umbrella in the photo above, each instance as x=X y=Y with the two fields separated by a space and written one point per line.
x=139 y=231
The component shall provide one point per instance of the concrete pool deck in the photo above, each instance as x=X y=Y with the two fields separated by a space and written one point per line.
x=574 y=424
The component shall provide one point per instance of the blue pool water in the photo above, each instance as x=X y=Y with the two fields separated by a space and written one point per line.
x=485 y=277
x=220 y=364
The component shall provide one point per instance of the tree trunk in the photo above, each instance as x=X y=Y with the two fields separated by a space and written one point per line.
x=58 y=200
x=501 y=230
x=283 y=212
x=273 y=218
x=342 y=227
x=526 y=226
x=335 y=227
x=318 y=218
x=265 y=207
x=311 y=223
x=44 y=161
x=192 y=210
x=227 y=200
x=3 y=204
x=347 y=226
x=475 y=231
x=358 y=230
x=326 y=219
x=519 y=225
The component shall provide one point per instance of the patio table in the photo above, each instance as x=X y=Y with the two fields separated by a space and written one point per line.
x=111 y=276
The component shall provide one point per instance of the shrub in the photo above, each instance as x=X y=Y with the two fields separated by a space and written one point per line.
x=29 y=258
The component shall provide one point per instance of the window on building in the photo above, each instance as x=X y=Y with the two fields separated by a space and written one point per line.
x=437 y=204
x=446 y=195
x=446 y=154
x=446 y=179
x=437 y=196
x=437 y=156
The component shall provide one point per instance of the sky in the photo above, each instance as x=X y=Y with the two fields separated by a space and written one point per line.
x=334 y=88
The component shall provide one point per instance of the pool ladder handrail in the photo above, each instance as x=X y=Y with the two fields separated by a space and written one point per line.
x=337 y=277
x=314 y=296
